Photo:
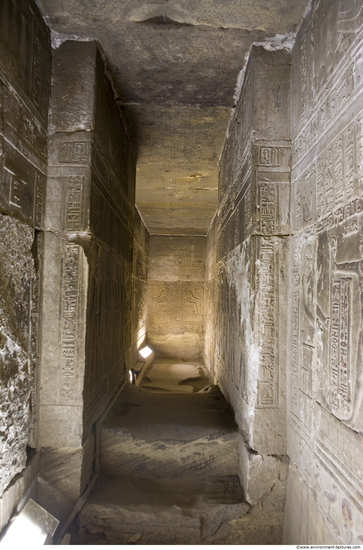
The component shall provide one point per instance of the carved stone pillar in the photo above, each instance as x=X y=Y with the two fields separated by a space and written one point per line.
x=87 y=258
x=252 y=265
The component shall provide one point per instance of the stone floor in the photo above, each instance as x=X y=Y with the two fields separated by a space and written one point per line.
x=176 y=376
x=169 y=463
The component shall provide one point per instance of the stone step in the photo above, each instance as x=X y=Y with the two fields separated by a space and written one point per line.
x=169 y=511
x=172 y=435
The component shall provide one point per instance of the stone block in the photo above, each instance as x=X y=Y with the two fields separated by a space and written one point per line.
x=23 y=487
x=258 y=473
x=73 y=89
x=63 y=475
x=60 y=425
x=271 y=93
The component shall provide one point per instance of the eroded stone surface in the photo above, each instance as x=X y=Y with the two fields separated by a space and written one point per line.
x=186 y=511
x=17 y=353
x=139 y=436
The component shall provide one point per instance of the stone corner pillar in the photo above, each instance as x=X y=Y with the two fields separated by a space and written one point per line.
x=67 y=450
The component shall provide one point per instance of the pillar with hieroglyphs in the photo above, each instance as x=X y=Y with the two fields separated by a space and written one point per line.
x=87 y=269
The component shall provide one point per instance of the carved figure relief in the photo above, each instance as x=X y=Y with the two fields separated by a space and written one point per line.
x=161 y=300
x=341 y=379
x=192 y=300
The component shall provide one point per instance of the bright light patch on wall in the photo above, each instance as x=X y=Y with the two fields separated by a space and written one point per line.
x=145 y=352
x=30 y=528
x=131 y=376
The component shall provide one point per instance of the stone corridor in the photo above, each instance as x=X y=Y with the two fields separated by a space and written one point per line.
x=186 y=176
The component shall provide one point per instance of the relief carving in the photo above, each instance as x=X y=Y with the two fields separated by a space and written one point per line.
x=193 y=295
x=161 y=299
x=341 y=339
x=267 y=395
x=69 y=322
x=73 y=152
x=74 y=197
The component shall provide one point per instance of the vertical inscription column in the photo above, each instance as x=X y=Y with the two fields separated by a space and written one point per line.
x=269 y=213
x=65 y=263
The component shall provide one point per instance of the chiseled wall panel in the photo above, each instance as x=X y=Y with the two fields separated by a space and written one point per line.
x=88 y=247
x=176 y=296
x=325 y=405
x=24 y=97
x=247 y=275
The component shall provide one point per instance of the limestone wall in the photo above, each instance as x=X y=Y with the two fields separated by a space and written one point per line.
x=24 y=96
x=140 y=284
x=325 y=410
x=176 y=296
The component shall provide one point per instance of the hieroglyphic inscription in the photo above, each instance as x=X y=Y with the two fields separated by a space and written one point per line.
x=295 y=391
x=349 y=156
x=268 y=207
x=342 y=215
x=320 y=187
x=37 y=64
x=268 y=379
x=73 y=151
x=15 y=187
x=39 y=199
x=73 y=211
x=298 y=204
x=338 y=171
x=69 y=320
x=335 y=175
x=326 y=111
x=340 y=393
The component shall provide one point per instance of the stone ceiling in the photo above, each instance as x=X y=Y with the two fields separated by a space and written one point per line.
x=175 y=64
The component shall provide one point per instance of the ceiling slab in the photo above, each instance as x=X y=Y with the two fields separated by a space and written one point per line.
x=175 y=67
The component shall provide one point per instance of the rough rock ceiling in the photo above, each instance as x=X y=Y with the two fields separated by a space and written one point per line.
x=175 y=65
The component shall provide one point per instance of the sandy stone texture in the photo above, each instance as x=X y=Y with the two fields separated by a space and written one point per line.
x=176 y=296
